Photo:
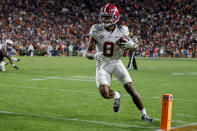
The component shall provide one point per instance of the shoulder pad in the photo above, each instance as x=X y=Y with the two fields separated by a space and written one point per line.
x=95 y=29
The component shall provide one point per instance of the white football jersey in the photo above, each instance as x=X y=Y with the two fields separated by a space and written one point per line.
x=107 y=41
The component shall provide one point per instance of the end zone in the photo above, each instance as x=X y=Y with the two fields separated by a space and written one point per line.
x=189 y=127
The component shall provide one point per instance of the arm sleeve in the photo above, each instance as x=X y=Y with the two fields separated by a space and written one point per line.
x=92 y=32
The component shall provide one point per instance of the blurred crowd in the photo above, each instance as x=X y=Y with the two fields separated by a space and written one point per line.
x=163 y=27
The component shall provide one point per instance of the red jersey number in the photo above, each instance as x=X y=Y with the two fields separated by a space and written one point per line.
x=108 y=49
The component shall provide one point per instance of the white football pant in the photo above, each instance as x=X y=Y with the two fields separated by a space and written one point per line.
x=2 y=66
x=105 y=71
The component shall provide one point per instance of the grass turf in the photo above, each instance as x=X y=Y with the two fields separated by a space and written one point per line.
x=56 y=93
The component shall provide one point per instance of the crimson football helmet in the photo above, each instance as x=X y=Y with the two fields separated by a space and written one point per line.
x=109 y=15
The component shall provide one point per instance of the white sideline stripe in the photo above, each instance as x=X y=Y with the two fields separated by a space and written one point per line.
x=185 y=115
x=77 y=120
x=180 y=126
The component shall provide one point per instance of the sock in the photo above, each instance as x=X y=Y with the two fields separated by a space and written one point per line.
x=143 y=112
x=116 y=95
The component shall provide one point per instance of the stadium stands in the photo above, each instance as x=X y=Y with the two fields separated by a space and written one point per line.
x=164 y=27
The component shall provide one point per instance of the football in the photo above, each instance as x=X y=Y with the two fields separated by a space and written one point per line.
x=123 y=40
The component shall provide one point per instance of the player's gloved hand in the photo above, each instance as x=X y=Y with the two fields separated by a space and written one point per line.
x=134 y=39
x=15 y=66
x=129 y=42
x=18 y=60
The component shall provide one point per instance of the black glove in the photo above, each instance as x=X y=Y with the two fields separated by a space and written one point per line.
x=15 y=66
x=18 y=60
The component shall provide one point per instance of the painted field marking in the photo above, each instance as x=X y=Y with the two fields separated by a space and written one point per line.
x=84 y=77
x=181 y=126
x=60 y=78
x=77 y=120
x=188 y=73
x=73 y=78
x=177 y=74
x=185 y=115
x=67 y=90
x=37 y=79
x=156 y=97
x=51 y=89
x=192 y=73
x=177 y=121
x=87 y=77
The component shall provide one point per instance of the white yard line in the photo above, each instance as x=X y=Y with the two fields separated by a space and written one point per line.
x=67 y=90
x=177 y=121
x=185 y=115
x=60 y=78
x=187 y=73
x=88 y=77
x=77 y=120
x=51 y=89
x=84 y=77
x=37 y=79
x=73 y=79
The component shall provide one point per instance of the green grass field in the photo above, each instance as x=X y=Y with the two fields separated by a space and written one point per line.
x=56 y=93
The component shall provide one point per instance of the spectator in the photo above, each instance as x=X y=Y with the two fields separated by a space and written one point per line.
x=49 y=49
x=186 y=52
x=170 y=24
x=70 y=48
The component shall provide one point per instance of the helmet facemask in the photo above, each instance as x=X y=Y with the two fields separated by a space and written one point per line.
x=107 y=19
x=9 y=46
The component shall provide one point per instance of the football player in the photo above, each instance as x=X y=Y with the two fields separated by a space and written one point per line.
x=108 y=38
x=9 y=49
x=4 y=53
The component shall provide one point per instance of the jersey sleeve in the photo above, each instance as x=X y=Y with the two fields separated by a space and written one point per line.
x=126 y=30
x=92 y=32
